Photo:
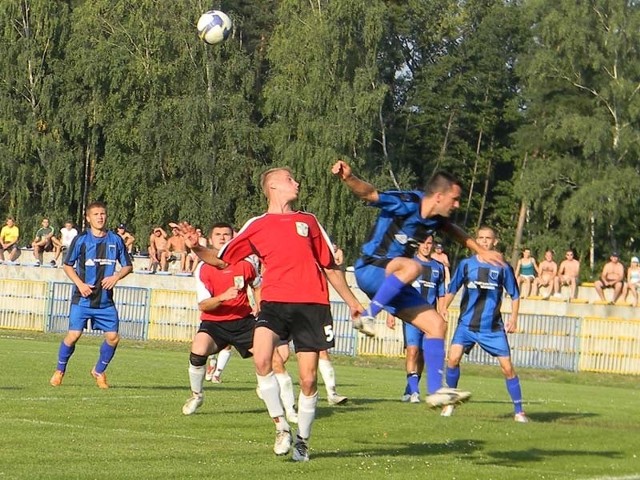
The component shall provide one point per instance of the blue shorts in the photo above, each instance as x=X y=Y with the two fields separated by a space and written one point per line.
x=105 y=319
x=413 y=336
x=370 y=277
x=494 y=343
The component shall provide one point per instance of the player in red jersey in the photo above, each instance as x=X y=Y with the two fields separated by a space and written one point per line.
x=227 y=319
x=298 y=260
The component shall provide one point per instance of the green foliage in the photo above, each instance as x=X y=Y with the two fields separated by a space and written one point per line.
x=119 y=100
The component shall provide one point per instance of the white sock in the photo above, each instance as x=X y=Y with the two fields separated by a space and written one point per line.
x=328 y=376
x=306 y=414
x=286 y=391
x=223 y=358
x=196 y=378
x=271 y=396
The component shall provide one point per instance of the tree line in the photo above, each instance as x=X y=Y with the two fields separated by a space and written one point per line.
x=535 y=105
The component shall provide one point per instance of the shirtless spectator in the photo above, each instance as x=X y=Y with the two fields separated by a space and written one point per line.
x=67 y=234
x=548 y=270
x=157 y=249
x=192 y=258
x=176 y=249
x=612 y=277
x=568 y=274
x=526 y=272
x=633 y=281
x=127 y=237
x=9 y=236
x=439 y=255
x=42 y=241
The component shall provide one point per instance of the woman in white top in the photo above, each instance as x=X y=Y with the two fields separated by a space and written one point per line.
x=633 y=281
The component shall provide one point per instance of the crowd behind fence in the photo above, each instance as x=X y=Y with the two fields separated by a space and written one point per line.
x=542 y=341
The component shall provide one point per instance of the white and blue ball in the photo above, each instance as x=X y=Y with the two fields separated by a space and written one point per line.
x=214 y=27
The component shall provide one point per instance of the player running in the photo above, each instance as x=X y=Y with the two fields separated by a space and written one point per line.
x=386 y=269
x=430 y=284
x=227 y=320
x=480 y=318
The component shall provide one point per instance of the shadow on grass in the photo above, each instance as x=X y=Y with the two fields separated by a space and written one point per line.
x=513 y=457
x=552 y=417
x=460 y=447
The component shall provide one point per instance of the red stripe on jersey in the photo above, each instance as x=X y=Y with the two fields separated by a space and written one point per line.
x=293 y=249
x=212 y=282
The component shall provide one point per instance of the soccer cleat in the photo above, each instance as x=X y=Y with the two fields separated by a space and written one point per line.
x=283 y=442
x=101 y=379
x=447 y=410
x=414 y=398
x=216 y=379
x=209 y=372
x=521 y=418
x=300 y=451
x=447 y=396
x=291 y=416
x=53 y=263
x=192 y=404
x=405 y=397
x=365 y=324
x=336 y=399
x=56 y=379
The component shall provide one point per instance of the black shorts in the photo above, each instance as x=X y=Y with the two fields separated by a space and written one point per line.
x=237 y=333
x=309 y=325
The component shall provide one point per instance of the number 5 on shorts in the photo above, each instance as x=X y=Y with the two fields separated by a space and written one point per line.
x=328 y=331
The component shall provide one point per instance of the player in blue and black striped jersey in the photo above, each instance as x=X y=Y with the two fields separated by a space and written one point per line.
x=387 y=267
x=480 y=319
x=430 y=284
x=91 y=264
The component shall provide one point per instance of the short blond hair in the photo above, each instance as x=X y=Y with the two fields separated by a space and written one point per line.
x=264 y=177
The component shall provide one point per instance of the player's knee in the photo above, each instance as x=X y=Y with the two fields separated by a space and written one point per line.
x=197 y=360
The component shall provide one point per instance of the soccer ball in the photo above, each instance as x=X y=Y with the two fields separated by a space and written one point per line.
x=214 y=27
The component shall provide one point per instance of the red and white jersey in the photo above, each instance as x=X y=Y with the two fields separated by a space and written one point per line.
x=212 y=281
x=293 y=248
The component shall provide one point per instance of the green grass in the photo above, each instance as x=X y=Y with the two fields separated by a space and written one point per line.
x=583 y=425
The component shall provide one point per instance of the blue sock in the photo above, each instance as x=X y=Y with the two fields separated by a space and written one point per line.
x=64 y=353
x=413 y=383
x=106 y=354
x=433 y=349
x=387 y=291
x=452 y=377
x=515 y=392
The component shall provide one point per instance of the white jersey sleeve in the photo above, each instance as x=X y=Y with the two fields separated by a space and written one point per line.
x=202 y=292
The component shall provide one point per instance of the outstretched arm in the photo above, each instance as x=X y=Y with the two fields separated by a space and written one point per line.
x=188 y=232
x=460 y=236
x=360 y=188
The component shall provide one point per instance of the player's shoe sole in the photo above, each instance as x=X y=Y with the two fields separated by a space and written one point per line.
x=282 y=446
x=365 y=324
x=192 y=404
x=447 y=396
x=100 y=378
x=56 y=379
x=337 y=400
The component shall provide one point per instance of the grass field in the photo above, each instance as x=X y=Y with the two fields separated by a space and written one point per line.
x=583 y=426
